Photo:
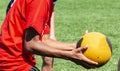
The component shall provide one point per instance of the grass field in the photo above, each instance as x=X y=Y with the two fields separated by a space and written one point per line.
x=72 y=18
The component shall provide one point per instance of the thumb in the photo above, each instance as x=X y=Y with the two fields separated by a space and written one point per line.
x=84 y=48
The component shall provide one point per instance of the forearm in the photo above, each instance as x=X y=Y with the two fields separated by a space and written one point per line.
x=38 y=47
x=52 y=27
x=59 y=45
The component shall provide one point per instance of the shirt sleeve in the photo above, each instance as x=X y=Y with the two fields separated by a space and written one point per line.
x=38 y=14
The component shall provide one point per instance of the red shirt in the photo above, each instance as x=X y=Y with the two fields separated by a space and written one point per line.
x=23 y=14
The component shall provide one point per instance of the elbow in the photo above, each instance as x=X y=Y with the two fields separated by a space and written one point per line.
x=31 y=37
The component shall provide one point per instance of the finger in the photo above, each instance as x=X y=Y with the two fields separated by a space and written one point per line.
x=89 y=61
x=82 y=49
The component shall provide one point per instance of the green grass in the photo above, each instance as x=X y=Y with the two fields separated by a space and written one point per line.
x=72 y=18
x=3 y=6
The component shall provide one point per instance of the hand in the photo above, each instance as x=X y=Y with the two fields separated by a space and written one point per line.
x=79 y=58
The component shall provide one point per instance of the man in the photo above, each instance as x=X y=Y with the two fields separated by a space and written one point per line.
x=23 y=35
x=47 y=61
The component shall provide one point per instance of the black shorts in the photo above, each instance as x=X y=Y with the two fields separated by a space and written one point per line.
x=34 y=69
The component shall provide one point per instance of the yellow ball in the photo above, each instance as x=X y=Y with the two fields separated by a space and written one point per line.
x=99 y=47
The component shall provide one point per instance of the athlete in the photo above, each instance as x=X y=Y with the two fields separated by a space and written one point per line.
x=23 y=34
x=47 y=61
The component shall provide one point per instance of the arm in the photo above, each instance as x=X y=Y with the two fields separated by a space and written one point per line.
x=34 y=45
x=59 y=45
x=52 y=27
